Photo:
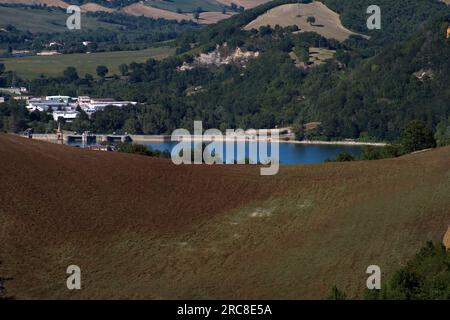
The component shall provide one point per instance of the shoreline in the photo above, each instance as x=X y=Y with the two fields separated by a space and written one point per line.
x=138 y=138
x=338 y=143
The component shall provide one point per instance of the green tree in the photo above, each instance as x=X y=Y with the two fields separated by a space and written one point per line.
x=336 y=294
x=102 y=71
x=416 y=136
x=71 y=74
x=135 y=148
x=344 y=157
x=311 y=20
x=196 y=15
x=442 y=135
x=299 y=130
x=88 y=77
x=123 y=68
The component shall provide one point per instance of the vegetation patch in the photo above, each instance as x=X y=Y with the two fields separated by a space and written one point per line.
x=32 y=67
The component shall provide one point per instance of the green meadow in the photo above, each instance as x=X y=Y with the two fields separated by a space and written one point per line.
x=186 y=5
x=40 y=20
x=30 y=67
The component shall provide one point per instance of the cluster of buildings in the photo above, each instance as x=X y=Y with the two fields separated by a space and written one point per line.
x=66 y=107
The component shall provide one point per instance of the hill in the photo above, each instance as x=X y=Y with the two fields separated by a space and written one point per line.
x=44 y=20
x=403 y=82
x=211 y=10
x=327 y=22
x=94 y=7
x=186 y=5
x=140 y=9
x=141 y=227
x=32 y=67
x=368 y=88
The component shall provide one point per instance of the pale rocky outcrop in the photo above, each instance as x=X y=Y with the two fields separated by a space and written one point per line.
x=446 y=240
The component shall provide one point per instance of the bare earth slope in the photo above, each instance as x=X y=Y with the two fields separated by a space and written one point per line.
x=328 y=23
x=143 y=228
x=139 y=9
x=93 y=7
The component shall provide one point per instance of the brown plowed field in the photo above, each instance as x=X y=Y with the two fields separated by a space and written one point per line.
x=93 y=7
x=141 y=227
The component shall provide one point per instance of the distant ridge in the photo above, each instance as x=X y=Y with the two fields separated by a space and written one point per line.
x=135 y=9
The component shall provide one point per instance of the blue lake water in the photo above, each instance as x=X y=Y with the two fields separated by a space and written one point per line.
x=289 y=153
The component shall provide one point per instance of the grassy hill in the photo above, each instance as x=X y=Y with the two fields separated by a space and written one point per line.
x=44 y=20
x=327 y=22
x=206 y=5
x=212 y=10
x=31 y=67
x=140 y=227
x=186 y=5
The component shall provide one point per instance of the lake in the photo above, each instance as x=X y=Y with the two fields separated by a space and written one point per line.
x=289 y=153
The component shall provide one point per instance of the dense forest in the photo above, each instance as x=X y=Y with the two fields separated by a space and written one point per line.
x=406 y=81
x=370 y=90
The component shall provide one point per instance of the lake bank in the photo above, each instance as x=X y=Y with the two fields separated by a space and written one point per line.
x=160 y=138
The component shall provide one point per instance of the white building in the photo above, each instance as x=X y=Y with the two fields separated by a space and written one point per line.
x=13 y=90
x=91 y=105
x=83 y=101
x=69 y=116
x=65 y=99
x=101 y=104
x=48 y=53
x=62 y=107
x=46 y=105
